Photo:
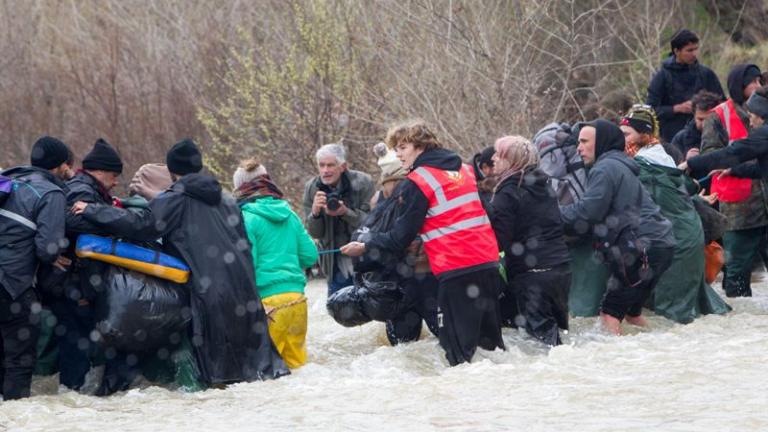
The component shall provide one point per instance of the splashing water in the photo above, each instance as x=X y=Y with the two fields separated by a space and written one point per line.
x=708 y=375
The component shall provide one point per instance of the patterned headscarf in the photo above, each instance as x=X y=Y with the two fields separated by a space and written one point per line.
x=520 y=154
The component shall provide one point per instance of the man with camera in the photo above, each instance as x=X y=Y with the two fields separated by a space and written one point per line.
x=335 y=203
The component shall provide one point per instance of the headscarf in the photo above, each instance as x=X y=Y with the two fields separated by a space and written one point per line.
x=260 y=186
x=520 y=154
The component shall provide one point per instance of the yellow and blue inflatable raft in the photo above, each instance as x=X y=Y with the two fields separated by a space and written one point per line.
x=132 y=257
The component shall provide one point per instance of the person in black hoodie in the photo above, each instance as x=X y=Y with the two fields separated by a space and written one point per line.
x=440 y=202
x=627 y=227
x=526 y=220
x=680 y=77
x=204 y=227
x=31 y=234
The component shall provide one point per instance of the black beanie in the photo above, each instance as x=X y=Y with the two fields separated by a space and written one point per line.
x=184 y=158
x=103 y=158
x=48 y=153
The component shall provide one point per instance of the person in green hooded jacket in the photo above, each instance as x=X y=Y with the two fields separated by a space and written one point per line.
x=682 y=293
x=281 y=250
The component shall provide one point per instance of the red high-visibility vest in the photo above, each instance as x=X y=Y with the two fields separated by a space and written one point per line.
x=456 y=232
x=731 y=189
x=730 y=119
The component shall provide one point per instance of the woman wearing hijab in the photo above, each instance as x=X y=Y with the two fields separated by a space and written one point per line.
x=281 y=250
x=682 y=294
x=616 y=211
x=526 y=220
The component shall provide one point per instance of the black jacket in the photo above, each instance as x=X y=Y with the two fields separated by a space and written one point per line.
x=689 y=137
x=31 y=227
x=526 y=219
x=675 y=83
x=614 y=199
x=754 y=146
x=413 y=206
x=201 y=225
x=86 y=277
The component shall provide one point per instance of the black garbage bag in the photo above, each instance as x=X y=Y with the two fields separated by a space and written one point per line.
x=345 y=307
x=713 y=222
x=381 y=300
x=367 y=300
x=137 y=312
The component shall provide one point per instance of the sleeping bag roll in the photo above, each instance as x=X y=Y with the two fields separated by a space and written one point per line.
x=132 y=257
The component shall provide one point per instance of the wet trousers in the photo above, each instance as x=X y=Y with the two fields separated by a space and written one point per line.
x=420 y=293
x=288 y=326
x=468 y=314
x=19 y=331
x=542 y=302
x=742 y=247
x=624 y=298
x=74 y=323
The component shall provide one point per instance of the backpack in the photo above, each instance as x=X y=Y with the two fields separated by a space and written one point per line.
x=556 y=145
x=6 y=187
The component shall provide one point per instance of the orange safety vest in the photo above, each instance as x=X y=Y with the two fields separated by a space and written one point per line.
x=456 y=232
x=730 y=119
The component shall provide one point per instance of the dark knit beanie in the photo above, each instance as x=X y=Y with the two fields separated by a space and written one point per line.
x=103 y=158
x=49 y=153
x=184 y=158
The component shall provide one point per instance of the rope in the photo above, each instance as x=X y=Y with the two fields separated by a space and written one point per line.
x=271 y=310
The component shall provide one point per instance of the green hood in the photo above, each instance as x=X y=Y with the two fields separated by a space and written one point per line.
x=270 y=208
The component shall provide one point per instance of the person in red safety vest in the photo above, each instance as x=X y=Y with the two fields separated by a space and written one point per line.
x=439 y=201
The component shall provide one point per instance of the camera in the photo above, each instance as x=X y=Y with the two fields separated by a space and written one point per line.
x=332 y=201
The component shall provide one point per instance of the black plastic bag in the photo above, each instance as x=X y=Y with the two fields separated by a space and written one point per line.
x=137 y=312
x=367 y=300
x=345 y=307
x=381 y=300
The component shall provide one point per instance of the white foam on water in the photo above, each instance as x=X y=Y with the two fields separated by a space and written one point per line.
x=708 y=375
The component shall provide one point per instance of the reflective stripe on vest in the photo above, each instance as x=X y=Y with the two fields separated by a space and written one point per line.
x=458 y=226
x=19 y=218
x=456 y=232
x=730 y=119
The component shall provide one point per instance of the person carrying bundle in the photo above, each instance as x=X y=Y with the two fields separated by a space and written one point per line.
x=203 y=226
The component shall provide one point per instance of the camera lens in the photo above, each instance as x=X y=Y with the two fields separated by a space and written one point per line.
x=333 y=203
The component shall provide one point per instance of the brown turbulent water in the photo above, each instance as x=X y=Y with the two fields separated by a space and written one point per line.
x=708 y=375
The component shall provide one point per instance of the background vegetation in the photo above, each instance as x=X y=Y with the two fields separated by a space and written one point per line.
x=278 y=78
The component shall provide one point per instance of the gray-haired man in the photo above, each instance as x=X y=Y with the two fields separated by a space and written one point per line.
x=335 y=203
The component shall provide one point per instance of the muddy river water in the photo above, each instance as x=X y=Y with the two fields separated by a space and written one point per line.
x=708 y=375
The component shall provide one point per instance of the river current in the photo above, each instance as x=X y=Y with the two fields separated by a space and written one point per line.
x=708 y=375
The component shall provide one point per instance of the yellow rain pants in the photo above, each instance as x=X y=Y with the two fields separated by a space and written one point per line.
x=287 y=315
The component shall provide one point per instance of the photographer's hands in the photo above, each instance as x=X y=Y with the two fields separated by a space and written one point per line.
x=320 y=203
